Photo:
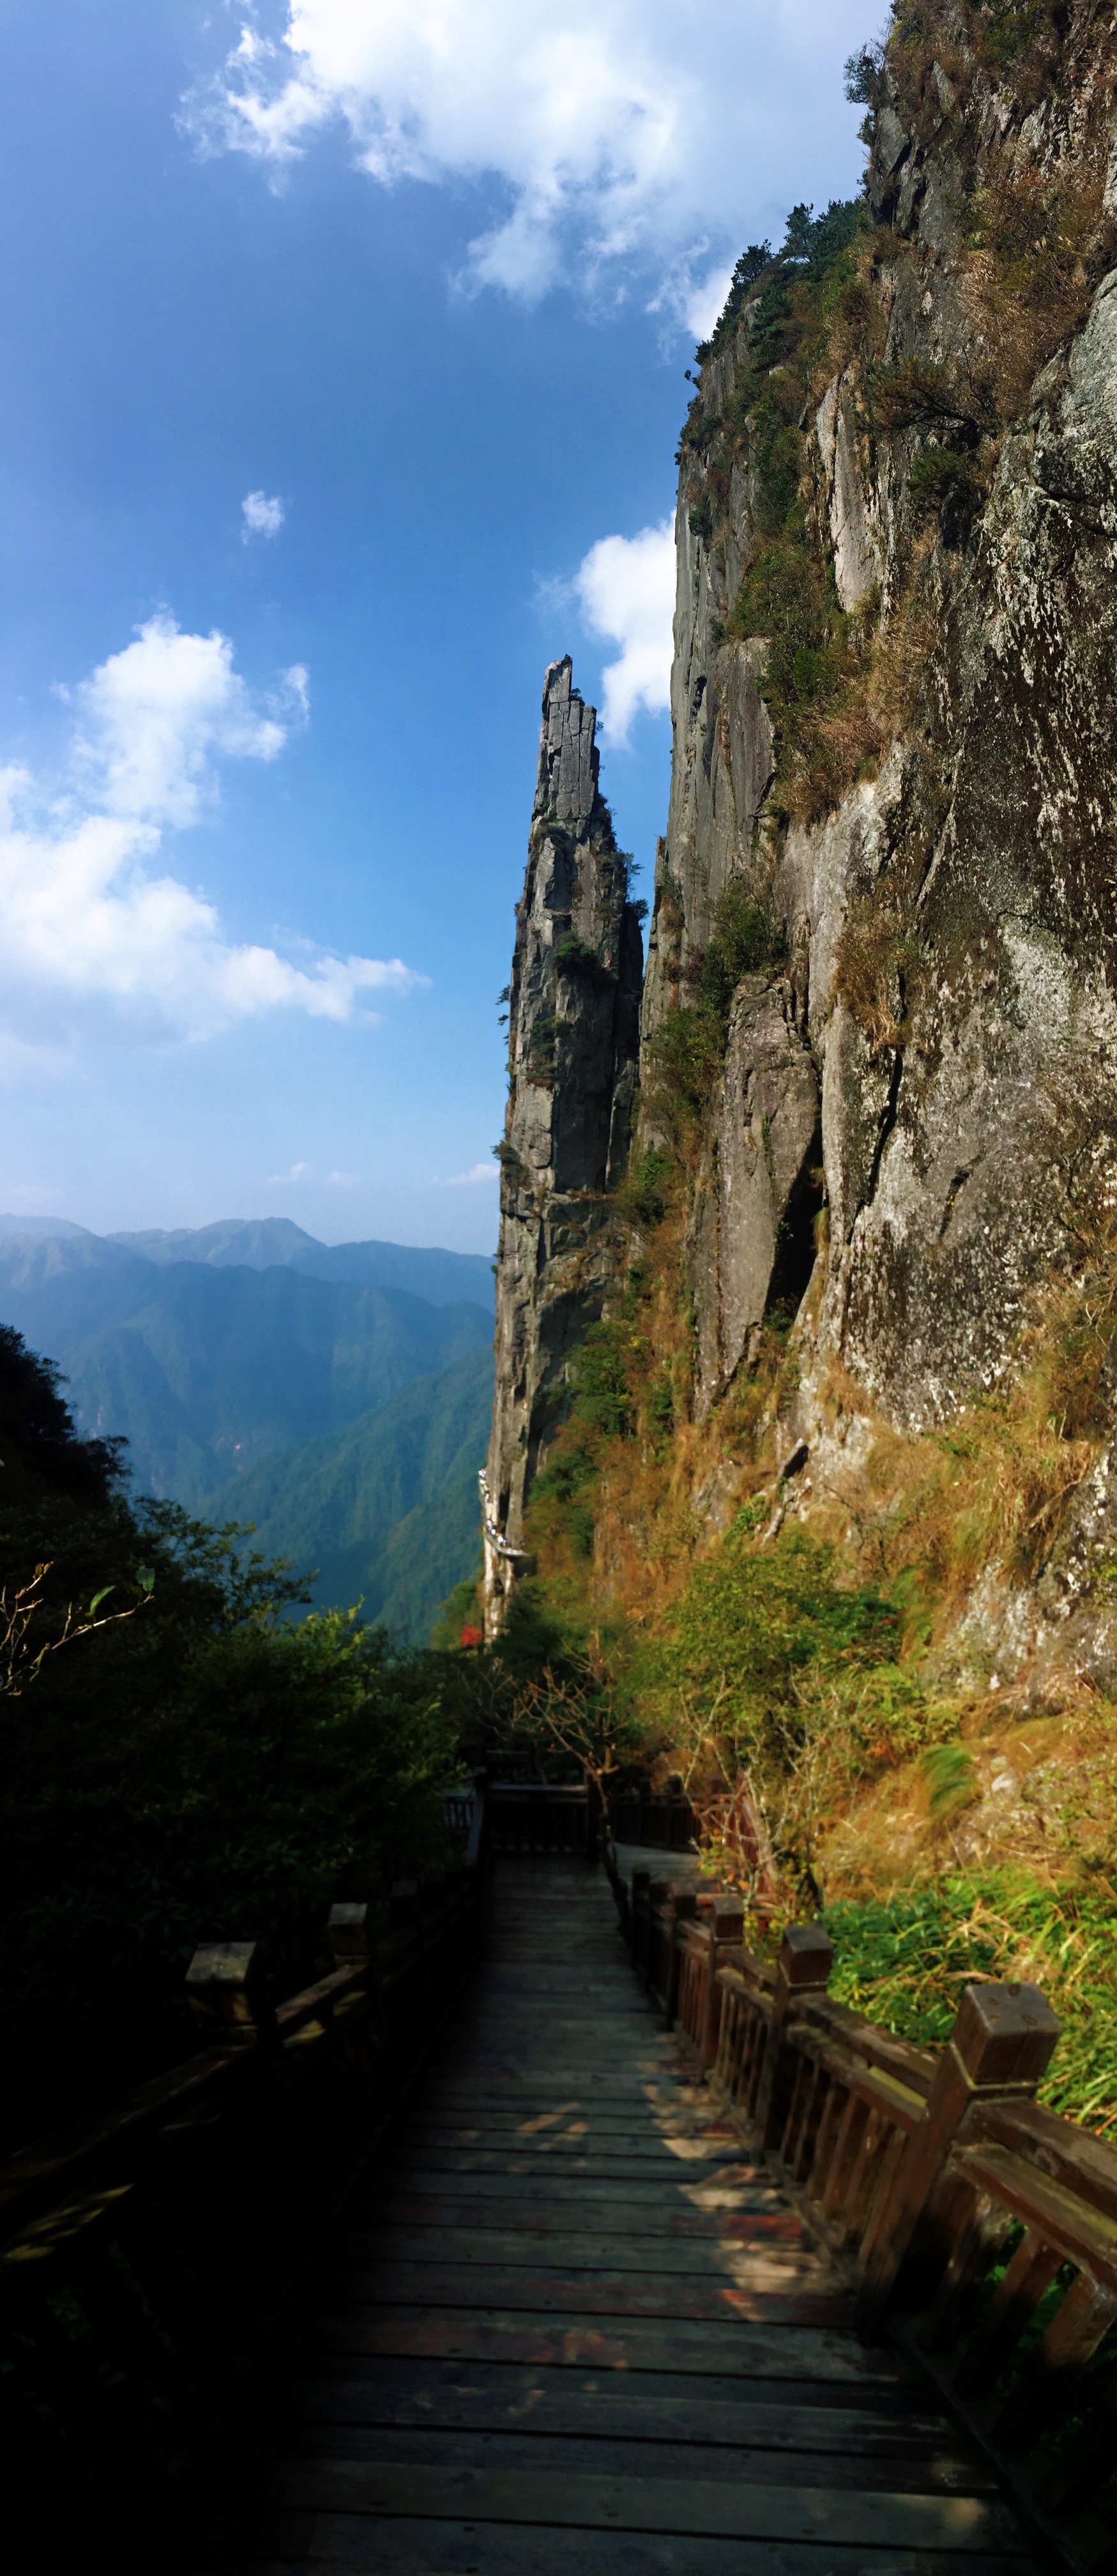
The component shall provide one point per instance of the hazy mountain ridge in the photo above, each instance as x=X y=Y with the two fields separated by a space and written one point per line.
x=275 y=1242
x=207 y=1364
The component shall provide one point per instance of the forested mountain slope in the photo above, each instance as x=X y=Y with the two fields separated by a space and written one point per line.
x=205 y=1367
x=384 y=1512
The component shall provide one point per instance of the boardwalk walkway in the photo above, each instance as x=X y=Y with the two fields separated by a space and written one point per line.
x=574 y=2329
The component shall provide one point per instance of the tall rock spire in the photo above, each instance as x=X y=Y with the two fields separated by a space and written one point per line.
x=574 y=1030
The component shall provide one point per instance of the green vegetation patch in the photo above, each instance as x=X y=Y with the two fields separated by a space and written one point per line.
x=753 y=1623
x=904 y=1962
x=748 y=937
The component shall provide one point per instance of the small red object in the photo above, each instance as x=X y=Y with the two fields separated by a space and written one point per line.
x=472 y=1637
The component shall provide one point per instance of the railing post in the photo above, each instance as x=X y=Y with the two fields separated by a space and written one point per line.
x=595 y=1816
x=726 y=1927
x=805 y=1960
x=348 y=1934
x=225 y=1985
x=225 y=1991
x=684 y=1908
x=477 y=1855
x=1001 y=2042
x=641 y=1883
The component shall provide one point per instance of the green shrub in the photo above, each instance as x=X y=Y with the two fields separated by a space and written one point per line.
x=949 y=488
x=542 y=1048
x=748 y=935
x=951 y=1780
x=903 y=1962
x=574 y=957
x=661 y=1408
x=604 y=1398
x=644 y=1194
x=689 y=1045
x=512 y=1164
x=753 y=1624
x=687 y=1050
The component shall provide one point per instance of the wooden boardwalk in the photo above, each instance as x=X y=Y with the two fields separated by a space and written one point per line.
x=573 y=2328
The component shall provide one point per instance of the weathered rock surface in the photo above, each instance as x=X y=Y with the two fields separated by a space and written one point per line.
x=935 y=1053
x=953 y=1123
x=574 y=1011
x=767 y=1142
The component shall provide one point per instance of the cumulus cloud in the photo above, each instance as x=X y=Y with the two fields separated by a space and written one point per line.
x=99 y=941
x=625 y=588
x=263 y=515
x=289 y=1180
x=468 y=1180
x=704 y=298
x=622 y=133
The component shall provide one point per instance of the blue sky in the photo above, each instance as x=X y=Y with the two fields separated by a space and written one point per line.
x=425 y=288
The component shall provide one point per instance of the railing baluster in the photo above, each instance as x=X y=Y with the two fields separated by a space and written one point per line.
x=1050 y=2377
x=805 y=1960
x=826 y=2136
x=1027 y=2280
x=1001 y=2044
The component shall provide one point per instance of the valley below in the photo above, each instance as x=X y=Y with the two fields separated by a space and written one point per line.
x=336 y=1395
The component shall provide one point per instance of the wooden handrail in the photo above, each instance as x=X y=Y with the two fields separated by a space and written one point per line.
x=924 y=2170
x=147 y=2253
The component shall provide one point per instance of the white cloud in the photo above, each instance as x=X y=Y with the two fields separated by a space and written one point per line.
x=468 y=1180
x=289 y=1180
x=153 y=716
x=98 y=942
x=624 y=132
x=263 y=516
x=625 y=588
x=343 y=1180
x=704 y=299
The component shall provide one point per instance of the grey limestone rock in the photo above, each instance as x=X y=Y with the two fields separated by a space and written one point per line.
x=941 y=1039
x=949 y=1118
x=768 y=1141
x=574 y=1014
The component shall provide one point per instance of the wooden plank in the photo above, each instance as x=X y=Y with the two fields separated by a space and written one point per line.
x=577 y=2135
x=599 y=2454
x=595 y=2294
x=592 y=2161
x=610 y=2249
x=536 y=2384
x=403 y=2546
x=692 y=2506
x=495 y=2397
x=642 y=2120
x=716 y=2189
x=572 y=2342
x=520 y=2212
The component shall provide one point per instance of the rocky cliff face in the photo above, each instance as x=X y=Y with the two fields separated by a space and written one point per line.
x=574 y=1005
x=910 y=758
x=879 y=1027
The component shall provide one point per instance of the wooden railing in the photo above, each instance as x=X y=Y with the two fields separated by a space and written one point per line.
x=529 y=1815
x=653 y=1819
x=537 y=1817
x=979 y=2228
x=148 y=2254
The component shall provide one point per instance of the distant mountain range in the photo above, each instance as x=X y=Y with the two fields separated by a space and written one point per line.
x=273 y=1243
x=334 y=1393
